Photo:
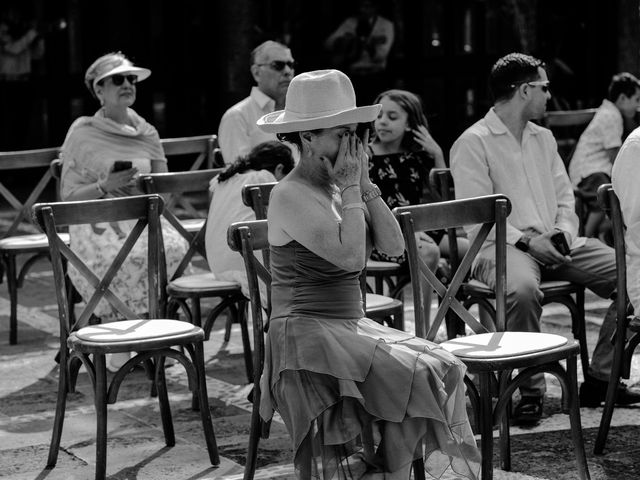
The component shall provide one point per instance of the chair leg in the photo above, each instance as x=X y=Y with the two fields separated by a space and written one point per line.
x=486 y=426
x=205 y=413
x=12 y=287
x=254 y=438
x=418 y=469
x=610 y=399
x=505 y=439
x=231 y=318
x=574 y=416
x=163 y=401
x=100 y=399
x=246 y=343
x=61 y=405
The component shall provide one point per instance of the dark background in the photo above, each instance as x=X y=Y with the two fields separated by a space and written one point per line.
x=199 y=53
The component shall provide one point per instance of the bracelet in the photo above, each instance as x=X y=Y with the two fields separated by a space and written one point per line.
x=101 y=190
x=348 y=206
x=349 y=186
x=371 y=194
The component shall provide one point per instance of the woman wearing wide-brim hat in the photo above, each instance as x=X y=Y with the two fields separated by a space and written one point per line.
x=329 y=371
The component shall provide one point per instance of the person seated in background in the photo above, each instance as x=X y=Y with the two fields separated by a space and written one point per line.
x=101 y=157
x=625 y=178
x=507 y=153
x=590 y=165
x=403 y=152
x=267 y=162
x=332 y=374
x=361 y=46
x=272 y=68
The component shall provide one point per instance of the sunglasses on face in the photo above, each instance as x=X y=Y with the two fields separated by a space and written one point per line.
x=543 y=84
x=278 y=65
x=119 y=79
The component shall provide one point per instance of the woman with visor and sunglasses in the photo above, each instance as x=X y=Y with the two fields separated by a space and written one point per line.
x=101 y=157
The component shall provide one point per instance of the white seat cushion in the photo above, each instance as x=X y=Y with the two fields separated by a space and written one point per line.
x=36 y=240
x=202 y=281
x=502 y=344
x=192 y=224
x=378 y=301
x=133 y=330
x=376 y=265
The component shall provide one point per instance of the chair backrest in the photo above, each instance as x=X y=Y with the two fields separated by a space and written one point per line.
x=610 y=203
x=567 y=126
x=203 y=147
x=441 y=184
x=34 y=161
x=167 y=183
x=247 y=238
x=491 y=212
x=146 y=209
x=256 y=196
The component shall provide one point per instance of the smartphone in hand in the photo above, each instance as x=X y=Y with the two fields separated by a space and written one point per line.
x=120 y=165
x=559 y=241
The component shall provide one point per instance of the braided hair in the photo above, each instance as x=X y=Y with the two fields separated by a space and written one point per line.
x=264 y=156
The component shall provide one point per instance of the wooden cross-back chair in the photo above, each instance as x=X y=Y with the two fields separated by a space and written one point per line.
x=87 y=341
x=15 y=239
x=192 y=288
x=475 y=292
x=248 y=238
x=490 y=356
x=377 y=306
x=190 y=154
x=627 y=336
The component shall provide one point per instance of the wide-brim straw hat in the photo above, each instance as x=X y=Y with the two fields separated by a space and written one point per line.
x=315 y=100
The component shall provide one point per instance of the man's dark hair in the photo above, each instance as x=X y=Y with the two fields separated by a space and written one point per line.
x=623 y=83
x=511 y=71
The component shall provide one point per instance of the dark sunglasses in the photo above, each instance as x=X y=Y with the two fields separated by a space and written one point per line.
x=118 y=79
x=278 y=65
x=543 y=84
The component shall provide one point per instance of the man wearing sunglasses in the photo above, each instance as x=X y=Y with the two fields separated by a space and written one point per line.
x=506 y=153
x=272 y=67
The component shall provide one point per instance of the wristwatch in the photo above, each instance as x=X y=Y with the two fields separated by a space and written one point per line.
x=371 y=193
x=523 y=243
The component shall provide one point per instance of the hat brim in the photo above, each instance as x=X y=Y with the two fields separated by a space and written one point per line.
x=277 y=123
x=141 y=73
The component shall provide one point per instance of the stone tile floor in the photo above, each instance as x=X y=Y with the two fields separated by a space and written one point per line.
x=136 y=449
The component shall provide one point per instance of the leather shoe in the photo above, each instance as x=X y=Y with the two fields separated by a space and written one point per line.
x=528 y=412
x=593 y=393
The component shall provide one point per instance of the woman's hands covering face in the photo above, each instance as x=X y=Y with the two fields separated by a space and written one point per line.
x=349 y=161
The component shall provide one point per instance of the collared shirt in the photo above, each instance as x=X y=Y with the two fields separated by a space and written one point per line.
x=238 y=132
x=603 y=133
x=487 y=159
x=625 y=177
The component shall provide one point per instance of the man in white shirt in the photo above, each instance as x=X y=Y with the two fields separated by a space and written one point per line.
x=598 y=145
x=272 y=67
x=625 y=178
x=506 y=153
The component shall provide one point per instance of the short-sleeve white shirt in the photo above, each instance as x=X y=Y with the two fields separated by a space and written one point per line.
x=603 y=133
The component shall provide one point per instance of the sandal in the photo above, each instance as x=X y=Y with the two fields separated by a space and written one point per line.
x=528 y=411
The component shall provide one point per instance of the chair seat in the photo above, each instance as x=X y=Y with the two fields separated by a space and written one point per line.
x=193 y=225
x=134 y=331
x=376 y=266
x=377 y=302
x=476 y=287
x=502 y=344
x=203 y=282
x=36 y=241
